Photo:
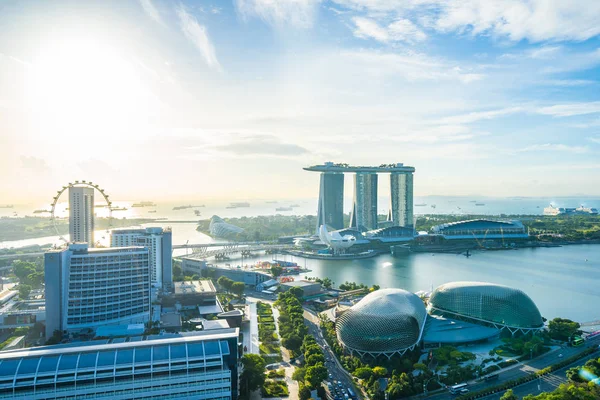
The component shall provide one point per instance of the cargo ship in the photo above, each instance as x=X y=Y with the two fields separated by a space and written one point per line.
x=144 y=204
x=284 y=209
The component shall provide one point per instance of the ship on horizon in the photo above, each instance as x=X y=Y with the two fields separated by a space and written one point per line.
x=7 y=206
x=144 y=204
x=284 y=209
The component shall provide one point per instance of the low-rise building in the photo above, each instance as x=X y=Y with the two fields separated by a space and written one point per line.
x=309 y=288
x=199 y=365
x=191 y=294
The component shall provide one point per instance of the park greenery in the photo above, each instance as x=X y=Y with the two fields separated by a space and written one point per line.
x=231 y=286
x=562 y=329
x=267 y=227
x=253 y=376
x=588 y=372
x=269 y=341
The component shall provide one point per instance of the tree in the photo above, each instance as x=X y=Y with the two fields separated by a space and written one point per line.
x=379 y=372
x=298 y=292
x=238 y=288
x=315 y=359
x=253 y=376
x=195 y=277
x=177 y=271
x=312 y=349
x=303 y=393
x=562 y=328
x=276 y=270
x=292 y=342
x=299 y=374
x=509 y=395
x=315 y=375
x=327 y=283
x=225 y=283
x=363 y=372
x=24 y=291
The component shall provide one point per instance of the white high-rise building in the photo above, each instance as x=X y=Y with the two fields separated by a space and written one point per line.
x=158 y=241
x=87 y=288
x=81 y=215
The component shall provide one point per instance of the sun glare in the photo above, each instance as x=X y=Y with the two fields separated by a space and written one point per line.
x=81 y=87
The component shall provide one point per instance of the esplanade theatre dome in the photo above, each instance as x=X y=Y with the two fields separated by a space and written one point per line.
x=387 y=321
x=502 y=306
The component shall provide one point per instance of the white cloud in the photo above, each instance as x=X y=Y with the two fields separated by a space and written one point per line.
x=595 y=139
x=480 y=115
x=197 y=34
x=555 y=147
x=151 y=10
x=545 y=53
x=569 y=110
x=298 y=13
x=411 y=66
x=401 y=30
x=533 y=20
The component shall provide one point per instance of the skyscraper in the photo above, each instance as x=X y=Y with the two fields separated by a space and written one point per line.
x=401 y=190
x=364 y=210
x=158 y=241
x=81 y=215
x=87 y=288
x=331 y=200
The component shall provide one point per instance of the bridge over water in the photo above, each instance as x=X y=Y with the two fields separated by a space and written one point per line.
x=220 y=250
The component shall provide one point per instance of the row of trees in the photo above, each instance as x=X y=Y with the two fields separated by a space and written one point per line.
x=313 y=372
x=291 y=320
x=231 y=286
x=30 y=275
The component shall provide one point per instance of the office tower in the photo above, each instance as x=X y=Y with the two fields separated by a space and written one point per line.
x=87 y=288
x=199 y=365
x=158 y=241
x=81 y=215
x=331 y=200
x=401 y=190
x=364 y=210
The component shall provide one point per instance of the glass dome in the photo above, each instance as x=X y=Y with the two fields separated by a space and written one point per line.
x=486 y=302
x=387 y=321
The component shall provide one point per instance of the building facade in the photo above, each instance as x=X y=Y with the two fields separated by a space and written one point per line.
x=202 y=365
x=331 y=200
x=81 y=215
x=401 y=191
x=159 y=243
x=87 y=288
x=364 y=210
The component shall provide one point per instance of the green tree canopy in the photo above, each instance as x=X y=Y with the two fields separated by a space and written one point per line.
x=315 y=375
x=509 y=395
x=24 y=291
x=562 y=328
x=276 y=270
x=238 y=288
x=253 y=376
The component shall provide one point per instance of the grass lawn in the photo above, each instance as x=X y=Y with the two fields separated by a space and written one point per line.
x=280 y=373
x=269 y=348
x=275 y=389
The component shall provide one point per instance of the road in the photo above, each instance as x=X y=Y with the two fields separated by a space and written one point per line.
x=527 y=368
x=336 y=371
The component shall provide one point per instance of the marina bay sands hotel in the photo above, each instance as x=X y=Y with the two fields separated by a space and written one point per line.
x=364 y=208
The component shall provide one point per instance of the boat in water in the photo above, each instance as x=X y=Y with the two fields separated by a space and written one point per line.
x=239 y=204
x=41 y=211
x=182 y=207
x=151 y=211
x=119 y=209
x=295 y=205
x=144 y=204
x=421 y=205
x=197 y=213
x=480 y=204
x=284 y=209
x=7 y=206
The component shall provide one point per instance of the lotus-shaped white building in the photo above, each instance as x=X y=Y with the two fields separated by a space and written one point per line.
x=335 y=241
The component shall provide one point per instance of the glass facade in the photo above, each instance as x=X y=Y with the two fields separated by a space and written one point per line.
x=401 y=191
x=331 y=201
x=364 y=210
x=387 y=321
x=486 y=302
x=193 y=367
x=219 y=228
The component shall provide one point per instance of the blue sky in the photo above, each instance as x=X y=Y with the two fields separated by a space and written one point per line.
x=229 y=99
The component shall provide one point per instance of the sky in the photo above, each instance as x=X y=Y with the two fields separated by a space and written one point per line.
x=167 y=100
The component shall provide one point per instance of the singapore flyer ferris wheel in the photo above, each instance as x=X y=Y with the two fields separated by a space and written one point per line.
x=59 y=193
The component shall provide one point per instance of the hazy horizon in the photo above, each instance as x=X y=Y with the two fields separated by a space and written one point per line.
x=228 y=100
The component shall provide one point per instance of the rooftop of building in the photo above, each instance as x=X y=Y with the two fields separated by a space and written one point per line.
x=342 y=167
x=445 y=330
x=479 y=224
x=120 y=343
x=211 y=325
x=194 y=287
x=120 y=330
x=82 y=247
x=125 y=231
x=301 y=283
